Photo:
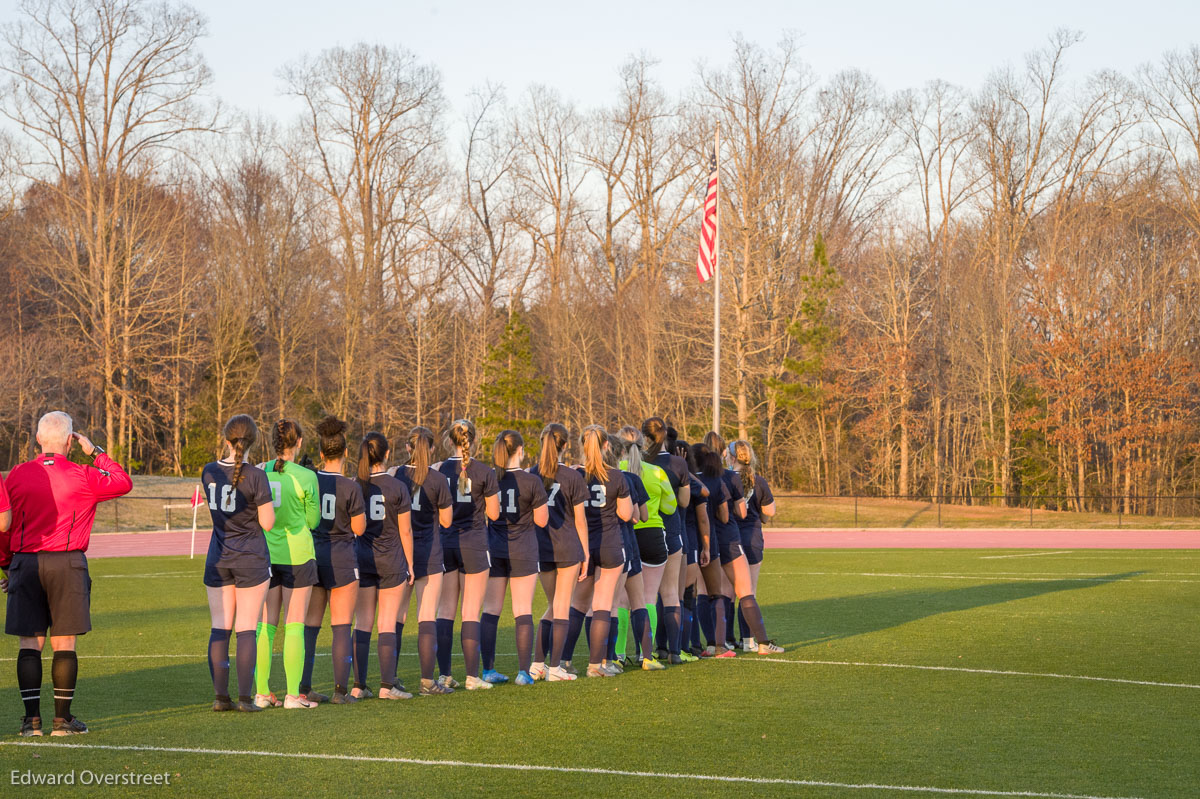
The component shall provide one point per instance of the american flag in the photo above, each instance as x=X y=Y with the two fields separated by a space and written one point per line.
x=706 y=262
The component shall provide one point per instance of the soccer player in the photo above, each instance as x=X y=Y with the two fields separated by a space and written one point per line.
x=658 y=437
x=296 y=497
x=343 y=519
x=384 y=553
x=760 y=505
x=695 y=601
x=660 y=567
x=432 y=506
x=729 y=544
x=608 y=505
x=562 y=548
x=45 y=527
x=632 y=609
x=465 y=551
x=237 y=571
x=513 y=544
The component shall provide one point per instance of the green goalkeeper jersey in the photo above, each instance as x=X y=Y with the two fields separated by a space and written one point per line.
x=297 y=501
x=658 y=488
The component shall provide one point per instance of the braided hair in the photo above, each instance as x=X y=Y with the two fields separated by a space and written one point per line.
x=285 y=436
x=462 y=435
x=742 y=455
x=241 y=433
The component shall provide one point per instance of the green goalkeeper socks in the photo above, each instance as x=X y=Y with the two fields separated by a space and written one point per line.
x=262 y=669
x=293 y=655
x=622 y=631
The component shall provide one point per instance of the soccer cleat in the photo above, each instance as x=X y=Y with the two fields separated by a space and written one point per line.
x=614 y=665
x=697 y=651
x=220 y=705
x=266 y=700
x=291 y=702
x=313 y=696
x=559 y=674
x=476 y=684
x=769 y=647
x=71 y=726
x=449 y=682
x=361 y=693
x=660 y=654
x=726 y=653
x=675 y=660
x=31 y=726
x=247 y=707
x=709 y=652
x=340 y=698
x=394 y=692
x=434 y=688
x=597 y=670
x=629 y=662
x=494 y=677
x=537 y=671
x=652 y=664
x=687 y=657
x=732 y=645
x=524 y=678
x=748 y=645
x=568 y=668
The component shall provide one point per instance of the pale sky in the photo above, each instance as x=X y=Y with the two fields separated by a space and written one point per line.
x=576 y=47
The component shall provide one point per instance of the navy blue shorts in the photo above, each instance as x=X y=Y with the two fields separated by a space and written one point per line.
x=337 y=565
x=243 y=572
x=752 y=544
x=49 y=592
x=303 y=575
x=652 y=545
x=545 y=566
x=729 y=548
x=389 y=579
x=427 y=557
x=513 y=567
x=381 y=570
x=606 y=558
x=633 y=562
x=691 y=546
x=467 y=561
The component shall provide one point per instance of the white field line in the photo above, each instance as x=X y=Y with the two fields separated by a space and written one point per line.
x=757 y=659
x=197 y=572
x=1027 y=555
x=978 y=577
x=411 y=761
x=1001 y=672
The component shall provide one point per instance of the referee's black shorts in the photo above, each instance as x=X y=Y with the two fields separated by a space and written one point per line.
x=49 y=592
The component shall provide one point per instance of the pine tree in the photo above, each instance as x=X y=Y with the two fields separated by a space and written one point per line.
x=512 y=388
x=813 y=332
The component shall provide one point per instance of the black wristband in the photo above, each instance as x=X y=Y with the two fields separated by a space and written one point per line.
x=97 y=450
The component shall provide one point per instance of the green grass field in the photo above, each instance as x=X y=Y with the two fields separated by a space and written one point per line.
x=826 y=718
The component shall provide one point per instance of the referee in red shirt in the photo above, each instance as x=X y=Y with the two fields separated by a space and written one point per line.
x=49 y=590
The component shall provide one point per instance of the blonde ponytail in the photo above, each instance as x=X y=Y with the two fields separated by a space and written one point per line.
x=594 y=437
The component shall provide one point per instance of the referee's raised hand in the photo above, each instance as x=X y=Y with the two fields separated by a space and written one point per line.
x=85 y=444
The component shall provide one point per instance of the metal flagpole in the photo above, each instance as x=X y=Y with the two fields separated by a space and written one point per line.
x=717 y=293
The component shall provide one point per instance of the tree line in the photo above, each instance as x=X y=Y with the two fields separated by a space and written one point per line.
x=972 y=292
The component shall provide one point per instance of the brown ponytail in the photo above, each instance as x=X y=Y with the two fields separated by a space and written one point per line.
x=743 y=456
x=332 y=431
x=655 y=431
x=241 y=433
x=372 y=451
x=555 y=439
x=284 y=437
x=507 y=444
x=420 y=446
x=462 y=435
x=708 y=460
x=713 y=440
x=594 y=439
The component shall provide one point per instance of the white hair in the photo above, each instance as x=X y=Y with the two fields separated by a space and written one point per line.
x=54 y=428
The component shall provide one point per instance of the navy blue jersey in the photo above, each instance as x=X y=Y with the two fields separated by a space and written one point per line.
x=468 y=530
x=427 y=499
x=341 y=501
x=677 y=473
x=699 y=505
x=638 y=495
x=759 y=495
x=718 y=495
x=234 y=510
x=604 y=530
x=512 y=535
x=559 y=538
x=386 y=500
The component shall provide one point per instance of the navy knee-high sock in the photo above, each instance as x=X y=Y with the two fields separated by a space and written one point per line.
x=469 y=636
x=445 y=644
x=587 y=628
x=558 y=640
x=598 y=636
x=343 y=657
x=660 y=629
x=702 y=620
x=386 y=648
x=639 y=621
x=426 y=647
x=574 y=628
x=362 y=653
x=611 y=649
x=489 y=626
x=685 y=620
x=310 y=656
x=218 y=669
x=544 y=639
x=758 y=630
x=247 y=654
x=728 y=600
x=743 y=626
x=716 y=613
x=672 y=614
x=524 y=637
x=399 y=641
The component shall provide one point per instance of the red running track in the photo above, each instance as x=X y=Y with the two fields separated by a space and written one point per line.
x=176 y=543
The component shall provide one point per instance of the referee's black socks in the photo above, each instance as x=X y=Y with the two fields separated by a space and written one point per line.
x=64 y=671
x=29 y=680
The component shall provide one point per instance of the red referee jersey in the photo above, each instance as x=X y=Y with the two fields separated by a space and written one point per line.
x=54 y=503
